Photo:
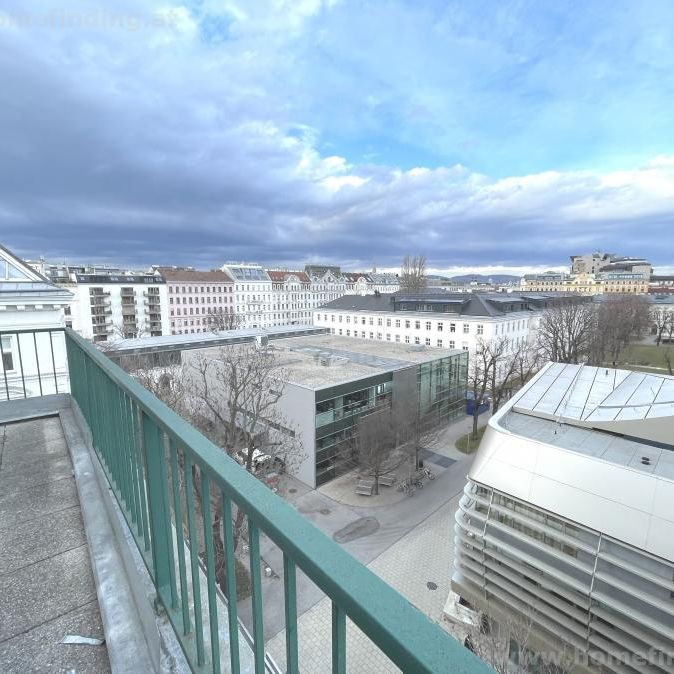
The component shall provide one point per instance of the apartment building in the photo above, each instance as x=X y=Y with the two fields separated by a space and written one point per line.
x=293 y=297
x=567 y=522
x=199 y=301
x=438 y=320
x=253 y=298
x=108 y=307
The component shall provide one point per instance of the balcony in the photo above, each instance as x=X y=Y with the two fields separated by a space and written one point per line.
x=159 y=503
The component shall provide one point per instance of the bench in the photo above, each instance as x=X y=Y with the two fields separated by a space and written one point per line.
x=365 y=487
x=387 y=480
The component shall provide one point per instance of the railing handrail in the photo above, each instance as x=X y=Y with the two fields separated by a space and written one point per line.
x=408 y=637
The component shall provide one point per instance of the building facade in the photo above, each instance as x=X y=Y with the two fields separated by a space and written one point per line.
x=567 y=520
x=609 y=281
x=108 y=307
x=199 y=301
x=329 y=382
x=29 y=301
x=438 y=320
x=253 y=297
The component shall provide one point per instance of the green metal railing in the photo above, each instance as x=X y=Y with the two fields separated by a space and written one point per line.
x=149 y=454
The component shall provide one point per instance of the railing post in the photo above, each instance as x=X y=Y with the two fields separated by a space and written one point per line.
x=158 y=506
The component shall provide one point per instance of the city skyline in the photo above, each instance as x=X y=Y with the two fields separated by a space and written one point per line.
x=152 y=134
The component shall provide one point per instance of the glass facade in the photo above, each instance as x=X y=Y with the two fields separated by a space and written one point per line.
x=437 y=388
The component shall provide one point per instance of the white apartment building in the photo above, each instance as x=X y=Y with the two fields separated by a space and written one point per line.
x=107 y=307
x=293 y=297
x=253 y=300
x=442 y=320
x=199 y=301
x=30 y=302
x=567 y=522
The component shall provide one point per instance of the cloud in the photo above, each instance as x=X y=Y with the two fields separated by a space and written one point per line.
x=292 y=131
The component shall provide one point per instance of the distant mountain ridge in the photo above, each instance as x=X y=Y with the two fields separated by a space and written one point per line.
x=479 y=278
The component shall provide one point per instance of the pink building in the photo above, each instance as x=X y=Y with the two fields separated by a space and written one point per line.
x=199 y=301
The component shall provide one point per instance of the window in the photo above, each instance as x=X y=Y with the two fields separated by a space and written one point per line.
x=397 y=322
x=348 y=319
x=407 y=324
x=480 y=329
x=362 y=320
x=340 y=319
x=7 y=354
x=332 y=318
x=417 y=325
x=362 y=334
x=379 y=321
x=371 y=321
x=452 y=344
x=452 y=327
x=388 y=322
x=440 y=343
x=464 y=346
x=397 y=338
x=340 y=331
x=439 y=327
x=417 y=340
x=372 y=335
x=466 y=328
x=388 y=337
x=428 y=325
x=407 y=339
x=428 y=341
x=348 y=333
x=379 y=335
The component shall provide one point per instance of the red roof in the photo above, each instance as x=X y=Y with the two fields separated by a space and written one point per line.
x=195 y=276
x=281 y=276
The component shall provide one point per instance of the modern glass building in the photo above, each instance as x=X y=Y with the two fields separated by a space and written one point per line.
x=331 y=381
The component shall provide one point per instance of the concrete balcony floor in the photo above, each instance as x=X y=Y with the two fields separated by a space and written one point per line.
x=47 y=588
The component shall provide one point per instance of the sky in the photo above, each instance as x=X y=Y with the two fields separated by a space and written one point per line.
x=490 y=135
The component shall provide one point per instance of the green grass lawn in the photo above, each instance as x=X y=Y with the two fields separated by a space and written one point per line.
x=467 y=444
x=646 y=355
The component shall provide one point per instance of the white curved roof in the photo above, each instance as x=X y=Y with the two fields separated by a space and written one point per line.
x=593 y=445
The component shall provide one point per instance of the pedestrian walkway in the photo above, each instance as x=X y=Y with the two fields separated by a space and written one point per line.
x=47 y=588
x=419 y=566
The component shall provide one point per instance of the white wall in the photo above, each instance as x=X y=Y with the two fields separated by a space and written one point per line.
x=402 y=327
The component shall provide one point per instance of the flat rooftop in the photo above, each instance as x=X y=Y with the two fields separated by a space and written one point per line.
x=620 y=416
x=207 y=339
x=322 y=360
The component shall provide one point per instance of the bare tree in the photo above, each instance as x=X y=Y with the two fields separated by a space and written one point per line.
x=566 y=332
x=660 y=319
x=413 y=273
x=669 y=359
x=221 y=320
x=479 y=378
x=376 y=441
x=512 y=363
x=507 y=644
x=619 y=321
x=236 y=389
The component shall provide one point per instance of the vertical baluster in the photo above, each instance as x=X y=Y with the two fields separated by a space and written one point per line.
x=127 y=434
x=180 y=539
x=37 y=362
x=158 y=508
x=338 y=640
x=230 y=570
x=141 y=473
x=290 y=590
x=210 y=571
x=18 y=350
x=194 y=560
x=4 y=372
x=256 y=599
x=53 y=361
